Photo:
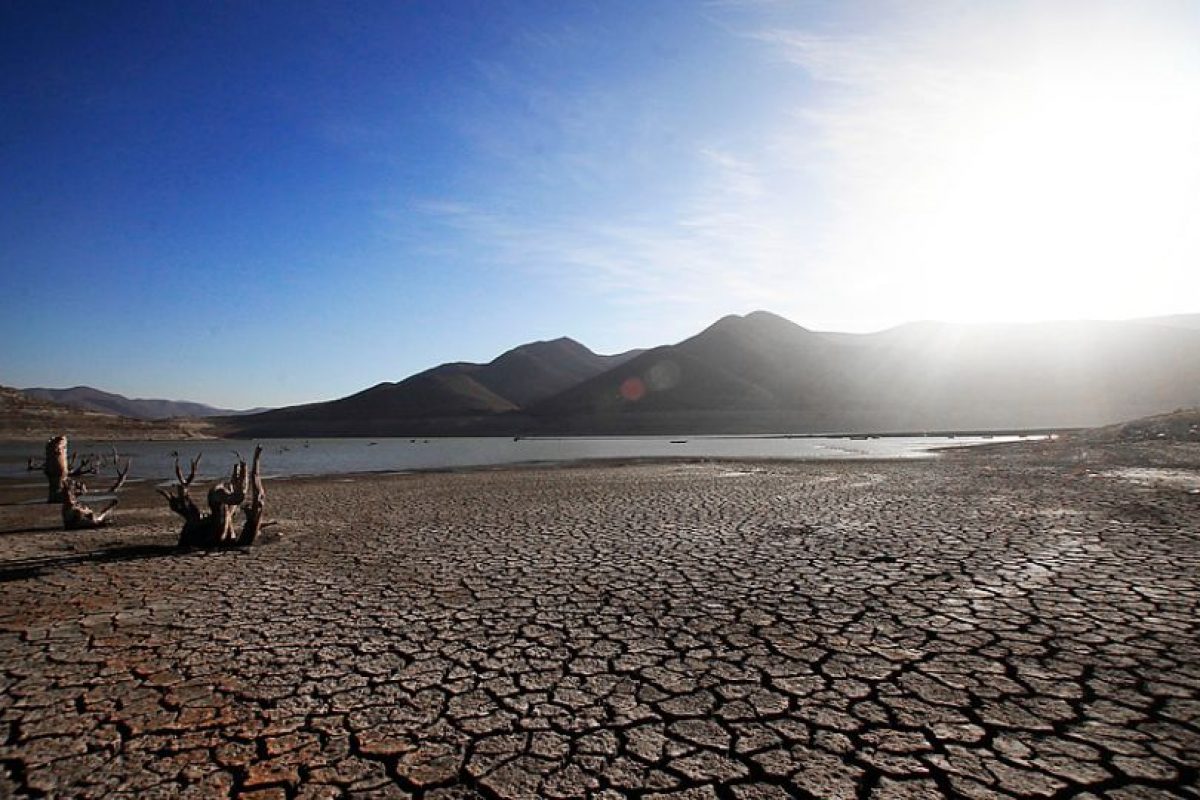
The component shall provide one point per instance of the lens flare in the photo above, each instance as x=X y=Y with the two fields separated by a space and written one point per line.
x=633 y=389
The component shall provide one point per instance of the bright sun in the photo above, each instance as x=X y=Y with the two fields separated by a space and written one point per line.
x=1083 y=181
x=1052 y=178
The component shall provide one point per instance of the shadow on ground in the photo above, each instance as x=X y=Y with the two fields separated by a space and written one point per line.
x=39 y=566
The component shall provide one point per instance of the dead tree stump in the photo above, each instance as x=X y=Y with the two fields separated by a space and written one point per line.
x=59 y=469
x=76 y=515
x=217 y=528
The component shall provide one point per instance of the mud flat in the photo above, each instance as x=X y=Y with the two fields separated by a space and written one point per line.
x=968 y=627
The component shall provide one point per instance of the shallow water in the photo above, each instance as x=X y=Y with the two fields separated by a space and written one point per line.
x=292 y=457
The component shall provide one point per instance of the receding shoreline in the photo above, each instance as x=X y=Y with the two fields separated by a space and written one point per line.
x=288 y=457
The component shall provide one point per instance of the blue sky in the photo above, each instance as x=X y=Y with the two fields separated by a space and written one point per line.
x=267 y=203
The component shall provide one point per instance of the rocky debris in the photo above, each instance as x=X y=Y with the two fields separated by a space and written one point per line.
x=955 y=629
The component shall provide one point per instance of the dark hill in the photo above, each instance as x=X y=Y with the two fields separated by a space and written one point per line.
x=451 y=398
x=535 y=371
x=442 y=391
x=738 y=362
x=738 y=374
x=442 y=398
x=761 y=373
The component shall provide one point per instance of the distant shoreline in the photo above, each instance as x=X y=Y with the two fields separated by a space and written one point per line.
x=206 y=437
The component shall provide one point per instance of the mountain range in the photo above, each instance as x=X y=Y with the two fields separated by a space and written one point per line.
x=761 y=373
x=29 y=418
x=460 y=397
x=89 y=399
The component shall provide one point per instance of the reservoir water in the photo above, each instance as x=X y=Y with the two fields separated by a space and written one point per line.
x=295 y=457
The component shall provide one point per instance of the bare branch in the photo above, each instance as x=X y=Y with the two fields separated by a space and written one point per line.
x=102 y=516
x=182 y=504
x=256 y=506
x=87 y=466
x=76 y=515
x=121 y=474
x=185 y=482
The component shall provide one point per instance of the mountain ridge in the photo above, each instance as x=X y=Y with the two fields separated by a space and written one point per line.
x=447 y=398
x=89 y=398
x=25 y=418
x=762 y=373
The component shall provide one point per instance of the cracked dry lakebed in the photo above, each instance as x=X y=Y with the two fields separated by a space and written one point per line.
x=957 y=627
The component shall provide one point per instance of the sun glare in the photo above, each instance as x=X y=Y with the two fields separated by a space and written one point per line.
x=1081 y=181
x=1058 y=181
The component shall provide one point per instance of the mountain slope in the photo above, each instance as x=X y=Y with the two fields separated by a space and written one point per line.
x=441 y=398
x=90 y=399
x=538 y=370
x=751 y=367
x=1037 y=375
x=761 y=373
x=450 y=398
x=29 y=418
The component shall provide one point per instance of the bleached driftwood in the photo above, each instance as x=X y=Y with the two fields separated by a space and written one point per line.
x=60 y=469
x=77 y=516
x=217 y=528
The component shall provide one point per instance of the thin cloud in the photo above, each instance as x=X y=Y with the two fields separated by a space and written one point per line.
x=952 y=165
x=725 y=240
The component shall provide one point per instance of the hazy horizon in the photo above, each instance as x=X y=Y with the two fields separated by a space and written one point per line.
x=261 y=206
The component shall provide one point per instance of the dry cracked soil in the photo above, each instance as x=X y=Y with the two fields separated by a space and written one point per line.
x=949 y=628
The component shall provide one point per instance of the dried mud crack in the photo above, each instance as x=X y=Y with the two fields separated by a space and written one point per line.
x=957 y=628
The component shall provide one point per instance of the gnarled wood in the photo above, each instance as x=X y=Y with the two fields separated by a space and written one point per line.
x=253 y=509
x=55 y=467
x=77 y=516
x=217 y=528
x=59 y=469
